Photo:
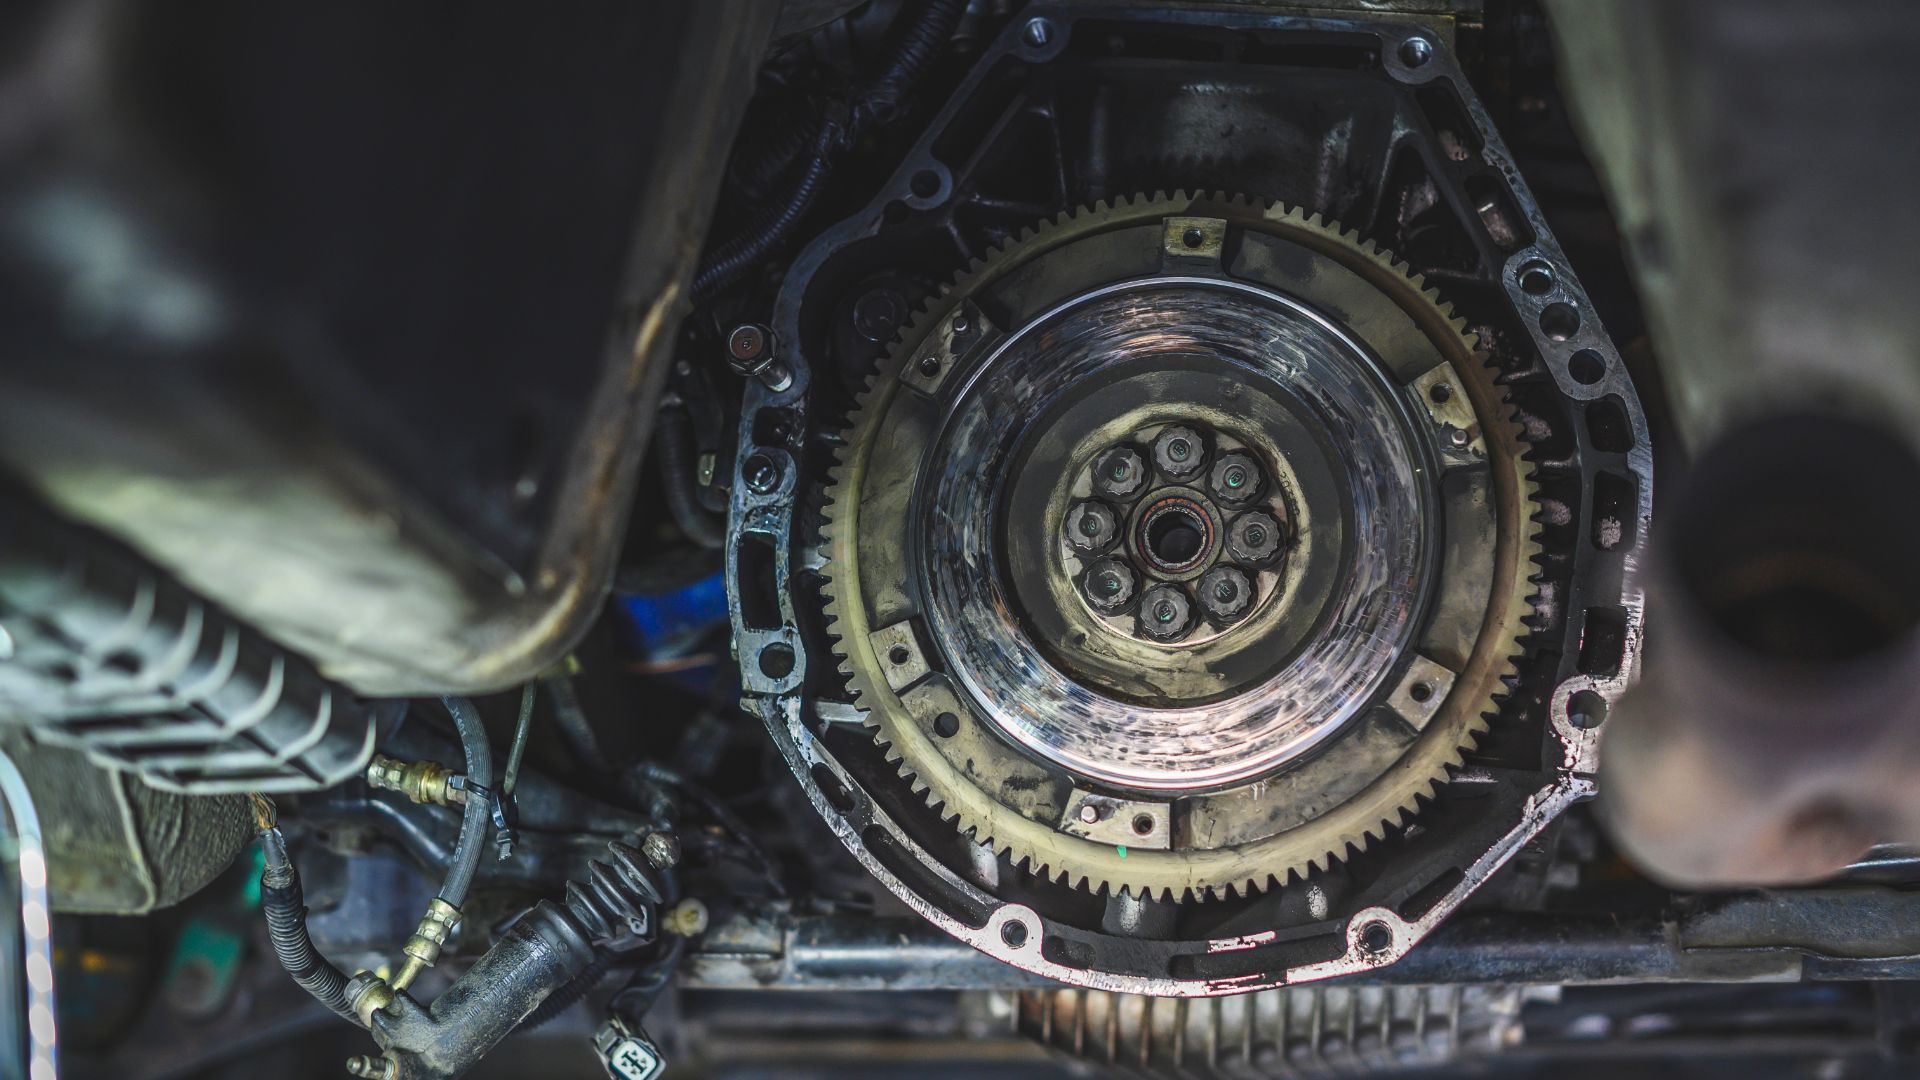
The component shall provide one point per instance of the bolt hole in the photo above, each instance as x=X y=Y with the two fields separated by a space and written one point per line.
x=1440 y=393
x=929 y=366
x=1142 y=824
x=1587 y=367
x=899 y=655
x=1376 y=937
x=1587 y=710
x=1560 y=321
x=1416 y=51
x=1194 y=238
x=1421 y=692
x=1536 y=279
x=1013 y=933
x=946 y=725
x=777 y=660
x=926 y=183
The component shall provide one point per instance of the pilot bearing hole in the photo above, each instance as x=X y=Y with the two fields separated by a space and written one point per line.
x=946 y=725
x=1421 y=692
x=898 y=655
x=1440 y=393
x=1176 y=537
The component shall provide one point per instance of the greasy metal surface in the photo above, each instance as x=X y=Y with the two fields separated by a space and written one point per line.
x=1260 y=336
x=997 y=678
x=952 y=901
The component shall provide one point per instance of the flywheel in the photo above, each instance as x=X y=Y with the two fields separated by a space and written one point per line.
x=1180 y=547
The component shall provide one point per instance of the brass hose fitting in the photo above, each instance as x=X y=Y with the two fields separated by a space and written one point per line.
x=423 y=948
x=421 y=781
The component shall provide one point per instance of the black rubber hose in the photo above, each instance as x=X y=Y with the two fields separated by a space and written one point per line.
x=920 y=41
x=285 y=906
x=478 y=822
x=673 y=442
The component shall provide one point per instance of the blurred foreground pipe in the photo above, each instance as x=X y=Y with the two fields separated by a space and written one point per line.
x=1775 y=736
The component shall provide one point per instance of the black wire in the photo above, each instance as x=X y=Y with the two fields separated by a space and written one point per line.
x=673 y=443
x=925 y=32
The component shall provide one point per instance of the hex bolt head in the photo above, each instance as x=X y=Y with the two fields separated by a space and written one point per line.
x=1225 y=592
x=1089 y=814
x=1236 y=479
x=661 y=849
x=1091 y=526
x=878 y=314
x=1109 y=585
x=750 y=355
x=1166 y=614
x=1254 y=537
x=1119 y=473
x=747 y=346
x=1179 y=452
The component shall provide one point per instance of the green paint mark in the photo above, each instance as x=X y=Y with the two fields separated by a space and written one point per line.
x=1122 y=849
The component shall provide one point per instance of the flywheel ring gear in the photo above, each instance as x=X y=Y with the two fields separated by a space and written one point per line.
x=1352 y=791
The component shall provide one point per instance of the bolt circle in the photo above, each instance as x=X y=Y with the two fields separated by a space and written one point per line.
x=1109 y=585
x=1091 y=526
x=1225 y=592
x=1166 y=614
x=1179 y=452
x=1254 y=538
x=1119 y=473
x=1236 y=479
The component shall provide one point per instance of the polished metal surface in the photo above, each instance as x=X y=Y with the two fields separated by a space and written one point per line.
x=1274 y=346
